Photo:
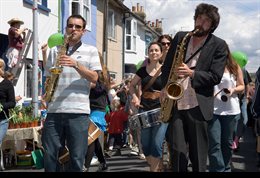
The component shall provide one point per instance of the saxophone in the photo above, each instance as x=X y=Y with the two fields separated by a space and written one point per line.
x=174 y=90
x=56 y=70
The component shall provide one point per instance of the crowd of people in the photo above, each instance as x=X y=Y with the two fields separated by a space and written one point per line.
x=204 y=121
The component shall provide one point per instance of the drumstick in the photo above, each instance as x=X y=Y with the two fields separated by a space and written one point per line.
x=218 y=92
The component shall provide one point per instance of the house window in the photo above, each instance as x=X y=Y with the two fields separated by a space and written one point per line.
x=131 y=34
x=42 y=4
x=83 y=8
x=111 y=24
x=112 y=75
x=148 y=40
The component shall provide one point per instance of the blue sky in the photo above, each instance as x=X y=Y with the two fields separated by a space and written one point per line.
x=239 y=24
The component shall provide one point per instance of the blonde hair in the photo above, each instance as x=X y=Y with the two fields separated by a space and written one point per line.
x=2 y=67
x=115 y=104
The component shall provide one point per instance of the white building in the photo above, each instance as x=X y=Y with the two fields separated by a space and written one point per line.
x=48 y=15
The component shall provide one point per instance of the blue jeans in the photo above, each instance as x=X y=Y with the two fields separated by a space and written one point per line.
x=152 y=140
x=244 y=110
x=3 y=129
x=60 y=129
x=220 y=132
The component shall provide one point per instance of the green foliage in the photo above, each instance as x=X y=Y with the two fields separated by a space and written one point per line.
x=14 y=112
x=22 y=114
x=2 y=110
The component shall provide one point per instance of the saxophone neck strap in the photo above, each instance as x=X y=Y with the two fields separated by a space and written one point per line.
x=151 y=81
x=75 y=47
x=198 y=50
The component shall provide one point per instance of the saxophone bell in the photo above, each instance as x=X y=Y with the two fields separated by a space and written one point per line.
x=174 y=90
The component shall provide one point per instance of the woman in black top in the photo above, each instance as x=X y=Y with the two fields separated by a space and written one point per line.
x=7 y=100
x=151 y=137
x=98 y=101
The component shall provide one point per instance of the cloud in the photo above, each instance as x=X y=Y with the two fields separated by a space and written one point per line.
x=239 y=23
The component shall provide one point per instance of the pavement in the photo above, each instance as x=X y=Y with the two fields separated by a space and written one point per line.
x=244 y=160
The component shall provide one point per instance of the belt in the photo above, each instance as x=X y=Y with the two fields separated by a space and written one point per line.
x=151 y=95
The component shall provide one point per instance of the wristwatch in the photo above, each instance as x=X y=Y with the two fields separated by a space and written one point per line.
x=77 y=65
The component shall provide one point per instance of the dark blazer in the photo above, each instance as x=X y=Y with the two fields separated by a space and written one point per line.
x=208 y=71
x=255 y=107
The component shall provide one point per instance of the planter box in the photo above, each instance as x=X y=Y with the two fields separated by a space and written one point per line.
x=24 y=160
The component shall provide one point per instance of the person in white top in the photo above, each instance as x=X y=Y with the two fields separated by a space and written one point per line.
x=226 y=113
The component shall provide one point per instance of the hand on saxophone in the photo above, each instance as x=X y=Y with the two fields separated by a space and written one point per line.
x=67 y=61
x=163 y=95
x=184 y=71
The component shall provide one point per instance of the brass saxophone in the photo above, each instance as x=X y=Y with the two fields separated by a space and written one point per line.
x=174 y=90
x=56 y=70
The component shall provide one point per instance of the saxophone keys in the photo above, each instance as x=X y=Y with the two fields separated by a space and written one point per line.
x=55 y=70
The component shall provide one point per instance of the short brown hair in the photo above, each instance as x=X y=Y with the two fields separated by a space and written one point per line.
x=77 y=17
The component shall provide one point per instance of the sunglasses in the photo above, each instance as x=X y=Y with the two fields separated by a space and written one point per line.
x=165 y=43
x=223 y=98
x=77 y=27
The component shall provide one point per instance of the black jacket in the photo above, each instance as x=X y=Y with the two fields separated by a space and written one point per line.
x=208 y=71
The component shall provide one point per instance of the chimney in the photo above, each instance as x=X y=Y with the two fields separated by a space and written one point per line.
x=142 y=9
x=138 y=7
x=157 y=23
x=160 y=24
x=148 y=23
x=139 y=11
x=133 y=9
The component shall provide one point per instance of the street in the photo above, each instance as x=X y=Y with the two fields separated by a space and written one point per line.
x=244 y=160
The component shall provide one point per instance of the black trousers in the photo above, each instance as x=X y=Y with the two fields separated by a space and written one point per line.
x=96 y=148
x=187 y=134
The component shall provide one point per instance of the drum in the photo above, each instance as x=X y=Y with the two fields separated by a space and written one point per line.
x=93 y=132
x=64 y=155
x=145 y=119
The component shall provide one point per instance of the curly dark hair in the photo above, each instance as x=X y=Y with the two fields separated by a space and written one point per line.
x=209 y=10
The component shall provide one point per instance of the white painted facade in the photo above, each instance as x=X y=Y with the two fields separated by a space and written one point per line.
x=47 y=25
x=133 y=57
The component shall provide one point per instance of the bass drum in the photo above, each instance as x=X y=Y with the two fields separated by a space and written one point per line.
x=93 y=132
x=145 y=119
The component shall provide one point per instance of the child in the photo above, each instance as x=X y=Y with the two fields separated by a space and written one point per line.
x=115 y=121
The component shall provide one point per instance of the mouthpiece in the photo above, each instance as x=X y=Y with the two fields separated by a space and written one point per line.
x=195 y=31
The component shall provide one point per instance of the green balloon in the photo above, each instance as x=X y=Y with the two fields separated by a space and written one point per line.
x=55 y=39
x=240 y=58
x=107 y=109
x=139 y=64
